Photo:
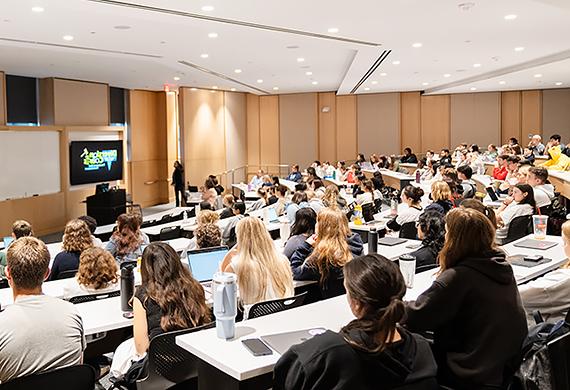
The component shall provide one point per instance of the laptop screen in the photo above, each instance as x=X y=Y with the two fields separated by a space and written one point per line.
x=204 y=263
x=271 y=215
x=7 y=241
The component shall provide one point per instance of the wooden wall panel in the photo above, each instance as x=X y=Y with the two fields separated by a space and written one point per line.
x=171 y=136
x=378 y=123
x=2 y=99
x=476 y=118
x=531 y=120
x=298 y=128
x=236 y=135
x=46 y=103
x=327 y=127
x=202 y=121
x=346 y=127
x=253 y=136
x=435 y=122
x=80 y=103
x=556 y=113
x=510 y=115
x=410 y=121
x=269 y=130
x=46 y=213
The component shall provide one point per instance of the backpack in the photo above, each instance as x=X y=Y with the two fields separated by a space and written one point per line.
x=535 y=371
x=137 y=371
x=557 y=215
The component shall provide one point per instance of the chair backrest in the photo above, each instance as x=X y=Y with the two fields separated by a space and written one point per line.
x=269 y=307
x=94 y=297
x=4 y=283
x=545 y=210
x=66 y=274
x=408 y=230
x=426 y=267
x=81 y=377
x=168 y=363
x=518 y=228
x=169 y=233
x=559 y=353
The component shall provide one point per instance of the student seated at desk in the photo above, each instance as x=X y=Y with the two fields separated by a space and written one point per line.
x=476 y=204
x=76 y=239
x=228 y=201
x=209 y=193
x=204 y=217
x=315 y=201
x=424 y=171
x=473 y=307
x=217 y=186
x=372 y=351
x=229 y=232
x=92 y=225
x=317 y=186
x=408 y=157
x=266 y=181
x=521 y=203
x=302 y=229
x=20 y=229
x=299 y=201
x=263 y=273
x=261 y=202
x=208 y=236
x=369 y=194
x=537 y=177
x=38 y=332
x=295 y=175
x=127 y=242
x=431 y=230
x=464 y=173
x=441 y=197
x=168 y=299
x=98 y=274
x=512 y=174
x=500 y=170
x=322 y=256
x=281 y=192
x=550 y=294
x=332 y=198
x=411 y=207
x=256 y=181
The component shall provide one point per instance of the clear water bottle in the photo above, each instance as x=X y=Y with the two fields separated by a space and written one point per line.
x=393 y=207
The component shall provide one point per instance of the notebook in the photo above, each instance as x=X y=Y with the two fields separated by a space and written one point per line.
x=281 y=342
x=391 y=241
x=535 y=244
x=520 y=261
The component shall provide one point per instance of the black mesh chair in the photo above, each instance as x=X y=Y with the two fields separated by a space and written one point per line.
x=518 y=228
x=409 y=231
x=169 y=364
x=4 y=283
x=545 y=210
x=66 y=274
x=269 y=307
x=169 y=233
x=81 y=377
x=426 y=267
x=559 y=353
x=94 y=297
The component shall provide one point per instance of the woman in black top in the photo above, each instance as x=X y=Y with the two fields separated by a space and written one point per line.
x=76 y=238
x=431 y=230
x=178 y=183
x=473 y=307
x=370 y=352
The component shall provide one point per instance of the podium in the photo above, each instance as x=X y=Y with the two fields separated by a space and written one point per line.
x=105 y=207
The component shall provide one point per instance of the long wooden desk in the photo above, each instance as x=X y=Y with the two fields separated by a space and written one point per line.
x=105 y=229
x=393 y=179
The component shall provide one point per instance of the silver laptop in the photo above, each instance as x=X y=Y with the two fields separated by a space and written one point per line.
x=535 y=244
x=281 y=342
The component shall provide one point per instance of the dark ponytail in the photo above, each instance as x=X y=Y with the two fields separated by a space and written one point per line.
x=479 y=206
x=377 y=284
x=414 y=193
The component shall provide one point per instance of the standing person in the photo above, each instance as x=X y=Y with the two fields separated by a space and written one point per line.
x=76 y=239
x=372 y=351
x=473 y=307
x=38 y=333
x=178 y=183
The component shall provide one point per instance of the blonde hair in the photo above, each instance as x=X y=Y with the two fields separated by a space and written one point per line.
x=207 y=216
x=260 y=264
x=331 y=248
x=97 y=268
x=77 y=236
x=330 y=198
x=566 y=237
x=440 y=191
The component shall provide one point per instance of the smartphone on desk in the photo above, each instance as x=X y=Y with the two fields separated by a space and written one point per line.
x=533 y=258
x=257 y=347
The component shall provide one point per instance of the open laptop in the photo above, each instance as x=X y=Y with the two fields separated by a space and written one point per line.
x=281 y=342
x=391 y=241
x=270 y=215
x=7 y=241
x=204 y=263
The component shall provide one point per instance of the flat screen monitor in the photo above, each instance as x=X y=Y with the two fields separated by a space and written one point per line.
x=95 y=161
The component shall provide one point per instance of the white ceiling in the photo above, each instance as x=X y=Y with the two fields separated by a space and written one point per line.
x=253 y=35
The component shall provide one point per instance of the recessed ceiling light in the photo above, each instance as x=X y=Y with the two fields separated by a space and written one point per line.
x=538 y=75
x=207 y=8
x=473 y=89
x=37 y=9
x=300 y=59
x=232 y=89
x=396 y=62
x=519 y=48
x=176 y=78
x=558 y=83
x=446 y=75
x=333 y=30
x=502 y=82
x=291 y=47
x=476 y=65
x=309 y=73
x=215 y=87
x=315 y=82
x=122 y=27
x=68 y=37
x=276 y=88
x=374 y=82
x=237 y=71
x=417 y=44
x=367 y=89
x=383 y=74
x=425 y=83
x=204 y=55
x=259 y=81
x=193 y=89
x=212 y=35
x=510 y=17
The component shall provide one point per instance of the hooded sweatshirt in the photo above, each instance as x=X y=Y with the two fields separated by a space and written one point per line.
x=558 y=161
x=543 y=194
x=479 y=324
x=329 y=362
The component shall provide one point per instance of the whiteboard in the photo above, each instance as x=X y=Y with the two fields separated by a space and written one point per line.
x=29 y=163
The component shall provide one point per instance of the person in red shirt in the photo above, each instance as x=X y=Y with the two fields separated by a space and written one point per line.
x=500 y=171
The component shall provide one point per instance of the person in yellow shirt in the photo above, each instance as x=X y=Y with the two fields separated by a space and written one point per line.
x=558 y=161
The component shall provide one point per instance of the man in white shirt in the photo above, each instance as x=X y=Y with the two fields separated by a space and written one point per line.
x=543 y=192
x=536 y=145
x=257 y=180
x=465 y=173
x=38 y=333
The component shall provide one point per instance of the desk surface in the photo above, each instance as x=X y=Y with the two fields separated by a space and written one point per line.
x=104 y=229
